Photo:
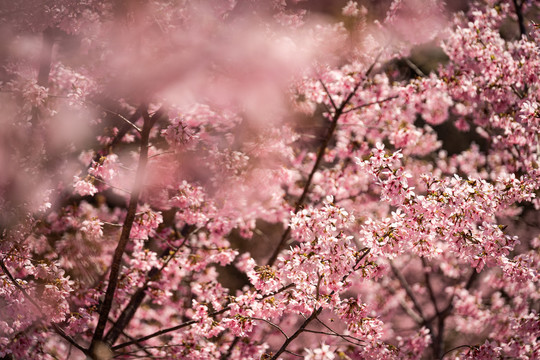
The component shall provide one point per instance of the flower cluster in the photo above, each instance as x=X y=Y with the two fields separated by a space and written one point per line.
x=269 y=180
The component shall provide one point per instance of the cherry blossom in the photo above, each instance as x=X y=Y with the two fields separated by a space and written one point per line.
x=269 y=180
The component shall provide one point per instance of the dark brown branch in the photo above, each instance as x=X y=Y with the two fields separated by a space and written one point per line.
x=301 y=329
x=122 y=131
x=271 y=324
x=293 y=354
x=190 y=322
x=228 y=353
x=335 y=333
x=141 y=348
x=371 y=103
x=441 y=316
x=437 y=343
x=418 y=308
x=414 y=67
x=128 y=313
x=408 y=310
x=137 y=298
x=518 y=6
x=429 y=287
x=320 y=155
x=314 y=315
x=123 y=118
x=408 y=290
x=337 y=114
x=167 y=330
x=116 y=264
x=225 y=309
x=448 y=309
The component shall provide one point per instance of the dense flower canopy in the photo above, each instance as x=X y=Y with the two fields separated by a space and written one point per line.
x=250 y=179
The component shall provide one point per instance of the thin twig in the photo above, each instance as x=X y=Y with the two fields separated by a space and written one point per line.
x=329 y=95
x=141 y=348
x=293 y=354
x=448 y=309
x=453 y=349
x=290 y=339
x=122 y=131
x=161 y=154
x=415 y=302
x=344 y=337
x=437 y=341
x=109 y=185
x=316 y=312
x=441 y=316
x=405 y=307
x=167 y=330
x=407 y=289
x=415 y=68
x=122 y=118
x=371 y=103
x=271 y=324
x=335 y=333
x=190 y=322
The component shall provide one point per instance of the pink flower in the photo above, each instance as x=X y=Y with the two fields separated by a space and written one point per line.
x=84 y=187
x=350 y=9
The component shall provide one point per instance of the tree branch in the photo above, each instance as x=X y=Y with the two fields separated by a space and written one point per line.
x=316 y=312
x=437 y=343
x=123 y=118
x=167 y=330
x=521 y=21
x=116 y=264
x=190 y=322
x=228 y=353
x=290 y=339
x=138 y=297
x=429 y=288
x=371 y=103
x=335 y=333
x=329 y=95
x=408 y=290
x=448 y=309
x=418 y=308
x=337 y=114
x=320 y=155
